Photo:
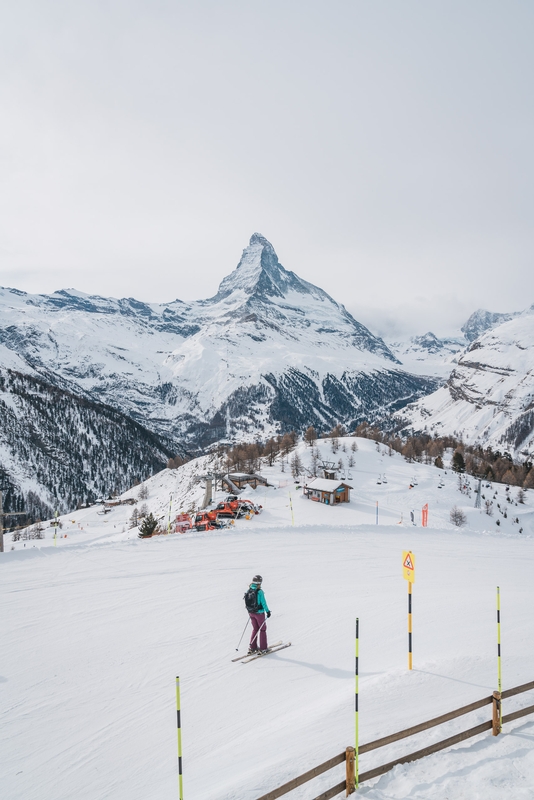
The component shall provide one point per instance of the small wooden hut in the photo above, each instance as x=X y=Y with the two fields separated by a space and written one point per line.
x=328 y=491
x=241 y=479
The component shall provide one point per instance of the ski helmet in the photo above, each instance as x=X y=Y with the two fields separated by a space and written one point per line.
x=257 y=579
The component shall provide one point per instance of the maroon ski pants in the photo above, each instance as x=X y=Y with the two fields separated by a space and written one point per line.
x=257 y=621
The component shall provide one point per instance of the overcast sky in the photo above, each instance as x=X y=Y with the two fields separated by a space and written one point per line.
x=384 y=148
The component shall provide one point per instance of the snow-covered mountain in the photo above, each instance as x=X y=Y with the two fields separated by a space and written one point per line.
x=489 y=396
x=428 y=354
x=268 y=352
x=481 y=321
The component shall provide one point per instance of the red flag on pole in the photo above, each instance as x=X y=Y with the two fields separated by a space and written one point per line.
x=424 y=515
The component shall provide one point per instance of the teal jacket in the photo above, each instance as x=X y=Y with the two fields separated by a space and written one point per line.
x=263 y=608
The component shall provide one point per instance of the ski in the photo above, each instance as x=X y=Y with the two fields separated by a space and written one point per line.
x=249 y=654
x=273 y=649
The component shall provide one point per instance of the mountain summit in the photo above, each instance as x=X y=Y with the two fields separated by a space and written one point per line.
x=259 y=272
x=262 y=293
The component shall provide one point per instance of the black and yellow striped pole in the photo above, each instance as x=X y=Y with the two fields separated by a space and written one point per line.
x=499 y=674
x=408 y=571
x=409 y=625
x=179 y=723
x=356 y=703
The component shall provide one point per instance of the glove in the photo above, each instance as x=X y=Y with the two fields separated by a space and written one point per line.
x=268 y=614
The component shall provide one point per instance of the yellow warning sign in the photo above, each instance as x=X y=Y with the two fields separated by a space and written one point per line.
x=408 y=566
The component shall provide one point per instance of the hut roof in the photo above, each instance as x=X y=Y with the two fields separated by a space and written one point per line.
x=326 y=485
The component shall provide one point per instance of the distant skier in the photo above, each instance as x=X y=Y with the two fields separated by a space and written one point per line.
x=412 y=516
x=257 y=608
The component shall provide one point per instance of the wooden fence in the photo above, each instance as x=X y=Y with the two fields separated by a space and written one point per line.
x=348 y=785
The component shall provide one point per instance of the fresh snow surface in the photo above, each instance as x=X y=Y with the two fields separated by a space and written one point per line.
x=96 y=628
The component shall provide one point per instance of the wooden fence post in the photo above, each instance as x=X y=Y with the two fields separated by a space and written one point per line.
x=496 y=722
x=351 y=775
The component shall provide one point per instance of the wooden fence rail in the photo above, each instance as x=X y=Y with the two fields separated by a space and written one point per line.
x=348 y=785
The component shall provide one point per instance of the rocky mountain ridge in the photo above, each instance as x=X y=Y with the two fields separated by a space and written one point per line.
x=489 y=395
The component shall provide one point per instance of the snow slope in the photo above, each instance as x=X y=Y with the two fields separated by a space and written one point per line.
x=489 y=396
x=96 y=628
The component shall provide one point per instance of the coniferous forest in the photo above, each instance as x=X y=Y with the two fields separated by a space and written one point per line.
x=61 y=450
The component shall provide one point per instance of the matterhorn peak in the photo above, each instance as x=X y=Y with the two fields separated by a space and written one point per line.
x=258 y=238
x=260 y=272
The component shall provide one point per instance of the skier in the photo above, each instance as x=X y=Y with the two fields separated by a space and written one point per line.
x=257 y=608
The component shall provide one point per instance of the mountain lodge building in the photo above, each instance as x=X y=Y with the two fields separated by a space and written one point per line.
x=329 y=489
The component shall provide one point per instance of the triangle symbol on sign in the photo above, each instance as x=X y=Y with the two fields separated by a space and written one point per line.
x=408 y=562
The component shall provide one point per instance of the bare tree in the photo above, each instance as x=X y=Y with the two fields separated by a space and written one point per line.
x=296 y=465
x=457 y=517
x=310 y=437
x=271 y=450
x=338 y=431
x=287 y=444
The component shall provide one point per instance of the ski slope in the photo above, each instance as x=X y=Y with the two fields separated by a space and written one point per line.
x=96 y=628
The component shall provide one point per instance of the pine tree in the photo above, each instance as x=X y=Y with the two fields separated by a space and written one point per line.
x=148 y=526
x=458 y=463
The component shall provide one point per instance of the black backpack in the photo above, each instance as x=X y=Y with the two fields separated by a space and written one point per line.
x=251 y=600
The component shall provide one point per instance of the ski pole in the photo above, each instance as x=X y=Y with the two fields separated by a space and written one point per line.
x=244 y=629
x=259 y=629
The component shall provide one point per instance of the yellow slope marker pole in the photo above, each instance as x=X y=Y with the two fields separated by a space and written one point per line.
x=291 y=507
x=409 y=625
x=499 y=673
x=356 y=703
x=179 y=723
x=408 y=572
x=170 y=512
